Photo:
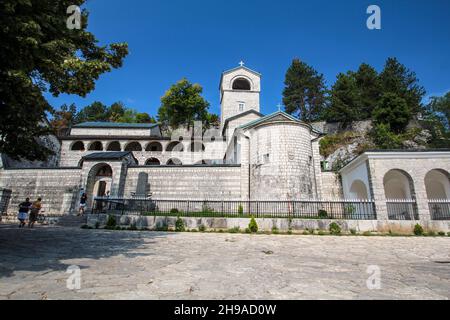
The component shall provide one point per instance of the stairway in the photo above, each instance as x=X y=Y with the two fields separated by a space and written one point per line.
x=72 y=221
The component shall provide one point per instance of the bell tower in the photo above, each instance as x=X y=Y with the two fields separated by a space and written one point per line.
x=240 y=89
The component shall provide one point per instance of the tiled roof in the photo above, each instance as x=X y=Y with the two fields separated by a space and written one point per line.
x=115 y=125
x=107 y=155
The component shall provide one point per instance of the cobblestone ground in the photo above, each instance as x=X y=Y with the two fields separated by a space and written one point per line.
x=151 y=265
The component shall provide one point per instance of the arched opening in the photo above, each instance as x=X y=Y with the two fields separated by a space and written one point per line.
x=96 y=146
x=154 y=147
x=133 y=146
x=203 y=162
x=99 y=182
x=437 y=183
x=114 y=146
x=78 y=146
x=197 y=147
x=174 y=162
x=152 y=162
x=175 y=146
x=241 y=84
x=398 y=185
x=358 y=190
x=400 y=195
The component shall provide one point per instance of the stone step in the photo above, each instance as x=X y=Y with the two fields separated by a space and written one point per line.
x=72 y=221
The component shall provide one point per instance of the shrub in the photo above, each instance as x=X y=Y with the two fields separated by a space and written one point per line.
x=275 y=230
x=323 y=214
x=117 y=228
x=311 y=231
x=193 y=230
x=418 y=230
x=163 y=227
x=448 y=234
x=111 y=222
x=202 y=228
x=97 y=225
x=247 y=230
x=253 y=226
x=321 y=233
x=174 y=211
x=441 y=233
x=179 y=225
x=234 y=230
x=305 y=232
x=241 y=210
x=84 y=226
x=353 y=231
x=335 y=229
x=132 y=227
x=431 y=233
x=367 y=233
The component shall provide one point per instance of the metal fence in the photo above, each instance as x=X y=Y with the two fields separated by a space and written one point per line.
x=402 y=209
x=439 y=209
x=308 y=209
x=5 y=196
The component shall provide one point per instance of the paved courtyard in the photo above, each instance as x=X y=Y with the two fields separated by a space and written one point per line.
x=151 y=265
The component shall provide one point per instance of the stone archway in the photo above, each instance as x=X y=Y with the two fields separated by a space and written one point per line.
x=398 y=185
x=437 y=184
x=358 y=190
x=99 y=182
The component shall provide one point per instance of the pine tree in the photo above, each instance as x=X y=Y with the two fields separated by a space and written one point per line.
x=343 y=100
x=304 y=91
x=369 y=90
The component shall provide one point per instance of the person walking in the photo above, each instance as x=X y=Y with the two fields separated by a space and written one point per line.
x=35 y=208
x=24 y=207
x=83 y=202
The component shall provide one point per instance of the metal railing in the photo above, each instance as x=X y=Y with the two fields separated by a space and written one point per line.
x=439 y=209
x=307 y=209
x=402 y=209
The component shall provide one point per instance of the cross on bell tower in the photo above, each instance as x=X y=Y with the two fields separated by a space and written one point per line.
x=241 y=63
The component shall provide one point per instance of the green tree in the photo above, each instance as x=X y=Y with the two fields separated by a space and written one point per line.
x=343 y=100
x=304 y=91
x=144 y=118
x=96 y=111
x=393 y=111
x=369 y=90
x=63 y=118
x=183 y=104
x=397 y=79
x=116 y=111
x=39 y=53
x=437 y=120
x=384 y=138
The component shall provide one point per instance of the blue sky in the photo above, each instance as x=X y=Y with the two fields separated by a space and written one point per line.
x=198 y=39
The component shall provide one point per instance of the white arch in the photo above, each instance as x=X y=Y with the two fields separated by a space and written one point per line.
x=398 y=185
x=437 y=184
x=358 y=190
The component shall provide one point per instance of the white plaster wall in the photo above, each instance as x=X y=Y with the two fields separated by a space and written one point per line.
x=358 y=173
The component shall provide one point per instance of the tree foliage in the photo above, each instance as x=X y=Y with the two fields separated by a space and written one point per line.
x=183 y=104
x=437 y=121
x=39 y=53
x=304 y=93
x=344 y=100
x=393 y=111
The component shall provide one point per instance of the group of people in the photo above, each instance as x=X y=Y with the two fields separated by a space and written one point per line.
x=29 y=211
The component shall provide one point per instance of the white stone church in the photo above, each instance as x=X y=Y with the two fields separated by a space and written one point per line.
x=250 y=157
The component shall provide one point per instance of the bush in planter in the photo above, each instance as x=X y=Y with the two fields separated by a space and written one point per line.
x=441 y=234
x=253 y=226
x=111 y=222
x=323 y=214
x=202 y=228
x=174 y=211
x=179 y=225
x=241 y=210
x=418 y=230
x=335 y=229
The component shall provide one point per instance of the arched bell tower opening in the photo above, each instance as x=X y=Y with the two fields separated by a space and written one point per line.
x=240 y=89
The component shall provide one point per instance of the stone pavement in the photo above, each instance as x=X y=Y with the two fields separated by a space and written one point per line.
x=152 y=265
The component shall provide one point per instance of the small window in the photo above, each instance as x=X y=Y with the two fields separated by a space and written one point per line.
x=241 y=106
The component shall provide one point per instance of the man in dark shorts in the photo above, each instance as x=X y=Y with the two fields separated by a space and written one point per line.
x=24 y=207
x=35 y=208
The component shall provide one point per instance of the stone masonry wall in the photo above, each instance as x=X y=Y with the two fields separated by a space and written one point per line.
x=186 y=182
x=58 y=188
x=331 y=186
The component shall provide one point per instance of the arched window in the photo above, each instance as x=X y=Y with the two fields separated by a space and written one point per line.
x=175 y=146
x=96 y=146
x=154 y=147
x=114 y=146
x=78 y=146
x=437 y=183
x=241 y=84
x=358 y=190
x=197 y=147
x=400 y=195
x=174 y=162
x=152 y=162
x=133 y=146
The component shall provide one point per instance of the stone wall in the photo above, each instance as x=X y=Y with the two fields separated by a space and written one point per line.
x=331 y=186
x=58 y=188
x=187 y=182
